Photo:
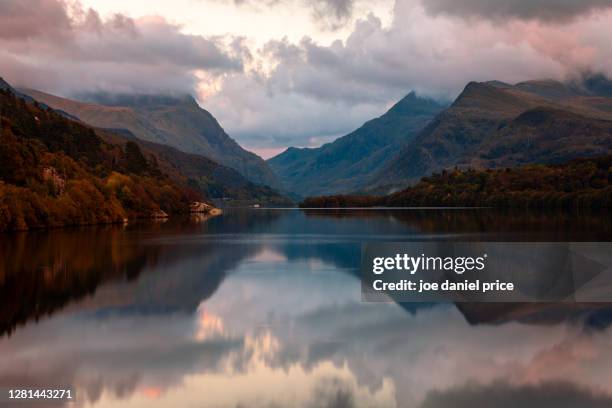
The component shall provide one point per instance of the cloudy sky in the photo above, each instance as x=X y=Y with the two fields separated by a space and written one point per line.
x=280 y=73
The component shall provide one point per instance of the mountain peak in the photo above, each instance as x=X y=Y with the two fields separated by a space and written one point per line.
x=471 y=90
x=348 y=163
x=474 y=87
x=413 y=104
x=488 y=97
x=499 y=84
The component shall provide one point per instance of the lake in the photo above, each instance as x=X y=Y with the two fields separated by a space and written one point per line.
x=262 y=308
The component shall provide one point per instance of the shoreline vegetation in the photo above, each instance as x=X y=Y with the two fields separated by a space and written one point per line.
x=578 y=184
x=57 y=172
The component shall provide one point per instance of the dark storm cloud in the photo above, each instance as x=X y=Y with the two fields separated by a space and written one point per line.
x=74 y=49
x=333 y=393
x=544 y=10
x=503 y=395
x=332 y=14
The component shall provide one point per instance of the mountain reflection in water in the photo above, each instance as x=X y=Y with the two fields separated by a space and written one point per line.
x=261 y=308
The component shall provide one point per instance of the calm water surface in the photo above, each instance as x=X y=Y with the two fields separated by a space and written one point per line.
x=262 y=308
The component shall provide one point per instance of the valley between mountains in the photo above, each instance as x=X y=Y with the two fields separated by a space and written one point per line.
x=111 y=157
x=489 y=125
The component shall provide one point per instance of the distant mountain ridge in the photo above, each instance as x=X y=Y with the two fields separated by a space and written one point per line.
x=492 y=124
x=5 y=86
x=177 y=121
x=348 y=163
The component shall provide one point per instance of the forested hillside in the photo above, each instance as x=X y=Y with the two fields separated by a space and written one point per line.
x=59 y=172
x=582 y=183
x=174 y=121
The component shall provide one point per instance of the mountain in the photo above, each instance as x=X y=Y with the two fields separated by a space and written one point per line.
x=348 y=163
x=493 y=124
x=219 y=183
x=175 y=121
x=58 y=172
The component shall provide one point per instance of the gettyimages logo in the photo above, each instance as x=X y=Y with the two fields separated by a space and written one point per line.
x=487 y=272
x=412 y=265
